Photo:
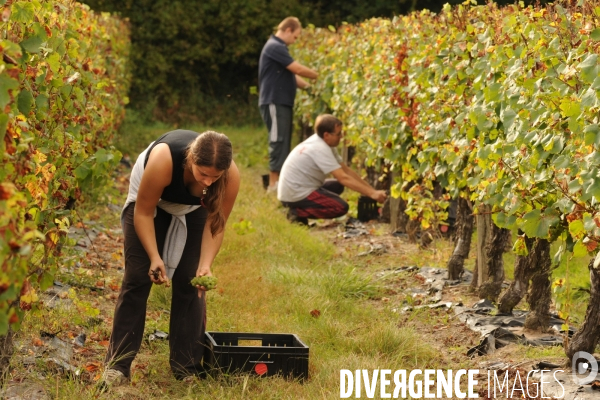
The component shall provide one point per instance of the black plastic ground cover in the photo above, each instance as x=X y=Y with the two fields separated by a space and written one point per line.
x=497 y=329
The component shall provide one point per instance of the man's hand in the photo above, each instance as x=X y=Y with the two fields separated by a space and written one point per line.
x=379 y=196
x=301 y=83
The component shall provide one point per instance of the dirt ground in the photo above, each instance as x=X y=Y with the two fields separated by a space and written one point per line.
x=390 y=259
x=103 y=270
x=384 y=255
x=393 y=259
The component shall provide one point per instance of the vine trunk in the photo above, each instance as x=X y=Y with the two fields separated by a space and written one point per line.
x=586 y=337
x=540 y=293
x=519 y=287
x=462 y=240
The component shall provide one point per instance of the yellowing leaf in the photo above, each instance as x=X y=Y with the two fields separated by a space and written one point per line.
x=29 y=297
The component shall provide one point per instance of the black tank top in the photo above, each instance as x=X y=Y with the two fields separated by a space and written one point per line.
x=178 y=142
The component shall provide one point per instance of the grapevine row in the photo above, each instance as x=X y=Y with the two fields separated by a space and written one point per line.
x=497 y=105
x=63 y=86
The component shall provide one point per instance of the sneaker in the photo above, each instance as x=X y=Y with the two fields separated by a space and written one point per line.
x=189 y=379
x=191 y=376
x=294 y=218
x=111 y=378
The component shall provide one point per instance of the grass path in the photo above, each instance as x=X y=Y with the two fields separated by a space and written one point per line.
x=271 y=276
x=270 y=279
x=274 y=277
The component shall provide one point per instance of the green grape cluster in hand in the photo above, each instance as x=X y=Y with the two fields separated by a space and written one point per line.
x=209 y=282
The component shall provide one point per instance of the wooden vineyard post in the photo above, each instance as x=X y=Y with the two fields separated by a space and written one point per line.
x=345 y=154
x=394 y=209
x=484 y=222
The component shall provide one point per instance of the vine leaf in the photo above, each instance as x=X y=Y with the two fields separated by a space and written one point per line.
x=53 y=61
x=520 y=247
x=592 y=134
x=580 y=249
x=22 y=11
x=6 y=84
x=577 y=229
x=589 y=68
x=25 y=102
x=536 y=224
x=503 y=220
x=32 y=44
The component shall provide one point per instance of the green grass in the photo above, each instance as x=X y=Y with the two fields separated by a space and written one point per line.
x=277 y=277
x=249 y=142
x=270 y=279
x=133 y=136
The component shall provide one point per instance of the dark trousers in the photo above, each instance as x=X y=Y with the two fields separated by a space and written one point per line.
x=279 y=121
x=188 y=312
x=324 y=202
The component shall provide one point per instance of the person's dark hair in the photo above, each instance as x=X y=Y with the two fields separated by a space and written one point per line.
x=326 y=123
x=213 y=149
x=289 y=22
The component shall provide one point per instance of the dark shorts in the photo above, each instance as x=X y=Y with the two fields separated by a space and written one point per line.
x=323 y=203
x=279 y=122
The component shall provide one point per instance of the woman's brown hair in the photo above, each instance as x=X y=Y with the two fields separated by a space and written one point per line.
x=213 y=149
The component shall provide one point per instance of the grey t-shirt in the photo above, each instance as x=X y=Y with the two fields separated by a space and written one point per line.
x=306 y=168
x=277 y=84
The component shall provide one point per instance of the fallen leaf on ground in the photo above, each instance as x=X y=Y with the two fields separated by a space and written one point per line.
x=93 y=366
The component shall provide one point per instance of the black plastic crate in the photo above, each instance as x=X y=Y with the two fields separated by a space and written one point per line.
x=367 y=209
x=277 y=353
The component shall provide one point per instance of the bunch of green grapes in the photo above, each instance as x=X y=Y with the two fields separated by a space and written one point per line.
x=209 y=282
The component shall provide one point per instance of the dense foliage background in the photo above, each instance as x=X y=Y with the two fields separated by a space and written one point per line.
x=196 y=60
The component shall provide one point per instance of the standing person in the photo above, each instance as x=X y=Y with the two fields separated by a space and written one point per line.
x=302 y=184
x=181 y=192
x=278 y=77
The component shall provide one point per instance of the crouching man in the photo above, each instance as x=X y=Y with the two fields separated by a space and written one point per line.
x=303 y=186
